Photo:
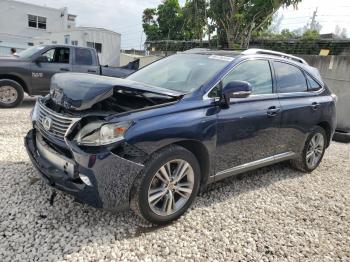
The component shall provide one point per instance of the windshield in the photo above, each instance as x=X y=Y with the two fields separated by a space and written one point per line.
x=30 y=51
x=182 y=72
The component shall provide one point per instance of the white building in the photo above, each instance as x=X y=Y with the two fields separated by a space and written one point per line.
x=24 y=24
x=106 y=42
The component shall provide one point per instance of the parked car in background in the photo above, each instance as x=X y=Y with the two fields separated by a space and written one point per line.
x=153 y=140
x=31 y=70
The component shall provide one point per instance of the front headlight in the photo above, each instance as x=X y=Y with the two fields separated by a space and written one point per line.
x=101 y=133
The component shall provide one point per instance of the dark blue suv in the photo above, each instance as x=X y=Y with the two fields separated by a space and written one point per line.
x=153 y=140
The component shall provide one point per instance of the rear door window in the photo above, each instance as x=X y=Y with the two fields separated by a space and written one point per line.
x=83 y=57
x=290 y=79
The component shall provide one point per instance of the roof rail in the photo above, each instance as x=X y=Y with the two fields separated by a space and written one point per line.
x=274 y=53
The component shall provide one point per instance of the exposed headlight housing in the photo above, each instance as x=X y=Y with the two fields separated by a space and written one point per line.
x=101 y=133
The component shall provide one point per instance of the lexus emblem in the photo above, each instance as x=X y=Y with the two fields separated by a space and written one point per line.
x=47 y=123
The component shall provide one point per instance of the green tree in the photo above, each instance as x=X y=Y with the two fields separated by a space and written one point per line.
x=195 y=14
x=170 y=20
x=240 y=18
x=310 y=35
x=149 y=24
x=164 y=22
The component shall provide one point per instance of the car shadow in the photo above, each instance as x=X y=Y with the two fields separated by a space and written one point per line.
x=28 y=196
x=28 y=102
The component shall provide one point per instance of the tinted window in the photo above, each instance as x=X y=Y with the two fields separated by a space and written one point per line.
x=313 y=85
x=57 y=55
x=289 y=78
x=83 y=56
x=256 y=72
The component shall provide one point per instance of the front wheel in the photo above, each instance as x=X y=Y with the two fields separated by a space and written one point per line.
x=313 y=151
x=167 y=186
x=11 y=94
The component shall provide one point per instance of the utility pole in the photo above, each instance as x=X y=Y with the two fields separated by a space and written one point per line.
x=313 y=20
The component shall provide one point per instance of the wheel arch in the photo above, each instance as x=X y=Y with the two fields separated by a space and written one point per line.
x=200 y=151
x=17 y=79
x=328 y=129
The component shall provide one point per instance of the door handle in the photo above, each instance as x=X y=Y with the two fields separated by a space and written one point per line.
x=315 y=105
x=64 y=69
x=273 y=111
x=92 y=71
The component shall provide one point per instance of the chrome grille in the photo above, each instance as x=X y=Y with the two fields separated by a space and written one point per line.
x=59 y=124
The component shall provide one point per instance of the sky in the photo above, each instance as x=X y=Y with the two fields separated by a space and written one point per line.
x=125 y=16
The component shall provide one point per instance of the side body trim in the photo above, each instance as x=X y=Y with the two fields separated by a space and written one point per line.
x=251 y=166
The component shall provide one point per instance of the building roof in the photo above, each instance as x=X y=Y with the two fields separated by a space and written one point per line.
x=30 y=4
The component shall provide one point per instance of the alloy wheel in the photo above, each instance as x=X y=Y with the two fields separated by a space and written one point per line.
x=315 y=150
x=8 y=94
x=171 y=187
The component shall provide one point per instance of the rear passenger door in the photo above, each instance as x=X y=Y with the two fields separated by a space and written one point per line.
x=300 y=100
x=85 y=61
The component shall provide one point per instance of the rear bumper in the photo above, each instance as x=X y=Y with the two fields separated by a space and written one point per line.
x=111 y=177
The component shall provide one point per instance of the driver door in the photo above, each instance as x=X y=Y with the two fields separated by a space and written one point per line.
x=57 y=60
x=248 y=131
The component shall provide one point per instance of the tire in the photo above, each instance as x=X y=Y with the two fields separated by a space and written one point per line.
x=151 y=179
x=342 y=137
x=303 y=162
x=11 y=93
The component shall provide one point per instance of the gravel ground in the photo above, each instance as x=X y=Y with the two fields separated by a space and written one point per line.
x=273 y=214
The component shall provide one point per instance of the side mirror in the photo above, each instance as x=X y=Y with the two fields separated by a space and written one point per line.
x=235 y=89
x=41 y=59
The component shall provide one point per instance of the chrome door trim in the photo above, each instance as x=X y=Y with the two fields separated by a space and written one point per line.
x=251 y=166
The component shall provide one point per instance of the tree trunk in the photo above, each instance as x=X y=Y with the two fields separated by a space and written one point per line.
x=230 y=38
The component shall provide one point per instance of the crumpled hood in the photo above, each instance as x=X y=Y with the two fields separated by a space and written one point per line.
x=79 y=91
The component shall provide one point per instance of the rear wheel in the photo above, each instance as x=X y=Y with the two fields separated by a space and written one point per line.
x=167 y=187
x=11 y=94
x=313 y=151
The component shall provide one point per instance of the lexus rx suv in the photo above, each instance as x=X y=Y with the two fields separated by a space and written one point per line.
x=152 y=141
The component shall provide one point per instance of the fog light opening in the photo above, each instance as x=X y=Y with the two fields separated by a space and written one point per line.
x=85 y=179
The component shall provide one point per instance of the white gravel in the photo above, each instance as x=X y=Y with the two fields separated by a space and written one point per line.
x=274 y=214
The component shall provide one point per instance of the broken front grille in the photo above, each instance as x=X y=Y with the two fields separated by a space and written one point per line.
x=52 y=123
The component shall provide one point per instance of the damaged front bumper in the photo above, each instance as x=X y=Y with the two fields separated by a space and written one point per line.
x=101 y=179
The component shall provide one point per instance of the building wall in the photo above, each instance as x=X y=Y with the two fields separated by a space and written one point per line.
x=14 y=21
x=335 y=72
x=144 y=60
x=110 y=41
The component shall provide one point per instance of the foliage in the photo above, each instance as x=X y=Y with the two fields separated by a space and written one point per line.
x=195 y=13
x=150 y=25
x=240 y=18
x=340 y=32
x=164 y=22
x=233 y=20
x=284 y=35
x=310 y=35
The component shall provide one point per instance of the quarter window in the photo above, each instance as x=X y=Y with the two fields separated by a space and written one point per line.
x=313 y=85
x=256 y=72
x=289 y=78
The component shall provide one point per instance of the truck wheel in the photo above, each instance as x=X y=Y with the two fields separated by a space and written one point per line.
x=167 y=186
x=11 y=93
x=313 y=151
